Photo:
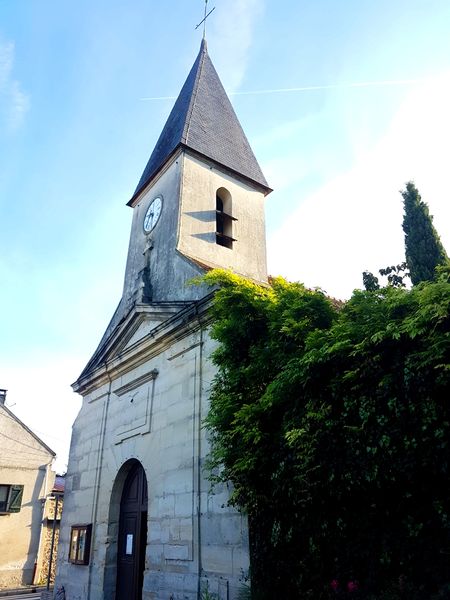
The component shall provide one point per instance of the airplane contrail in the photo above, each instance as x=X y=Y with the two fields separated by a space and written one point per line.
x=309 y=88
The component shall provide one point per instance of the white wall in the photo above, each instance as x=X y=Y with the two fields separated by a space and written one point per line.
x=23 y=461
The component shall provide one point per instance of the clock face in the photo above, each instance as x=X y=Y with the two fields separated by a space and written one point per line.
x=153 y=213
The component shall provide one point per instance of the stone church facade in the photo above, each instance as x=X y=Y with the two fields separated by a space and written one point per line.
x=140 y=520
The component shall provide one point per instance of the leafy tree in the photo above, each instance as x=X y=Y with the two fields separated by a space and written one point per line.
x=395 y=275
x=370 y=281
x=423 y=248
x=333 y=424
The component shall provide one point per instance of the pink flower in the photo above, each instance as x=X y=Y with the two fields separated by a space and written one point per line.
x=334 y=585
x=352 y=586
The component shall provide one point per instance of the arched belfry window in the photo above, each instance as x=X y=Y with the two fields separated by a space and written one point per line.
x=224 y=219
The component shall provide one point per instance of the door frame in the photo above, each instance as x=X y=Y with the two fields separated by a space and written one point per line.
x=110 y=572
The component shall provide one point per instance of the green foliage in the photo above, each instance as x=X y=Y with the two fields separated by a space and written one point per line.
x=245 y=593
x=206 y=594
x=370 y=281
x=395 y=274
x=423 y=248
x=333 y=426
x=425 y=254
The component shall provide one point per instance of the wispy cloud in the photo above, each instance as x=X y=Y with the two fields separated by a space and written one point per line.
x=353 y=222
x=332 y=86
x=313 y=88
x=232 y=25
x=14 y=103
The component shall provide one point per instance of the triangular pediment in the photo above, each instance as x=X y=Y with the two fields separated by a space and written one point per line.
x=140 y=322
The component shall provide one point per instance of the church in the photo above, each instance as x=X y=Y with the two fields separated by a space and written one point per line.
x=140 y=519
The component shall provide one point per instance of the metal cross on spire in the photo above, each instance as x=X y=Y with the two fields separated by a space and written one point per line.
x=204 y=19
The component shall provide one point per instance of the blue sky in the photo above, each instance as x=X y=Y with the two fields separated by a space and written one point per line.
x=77 y=127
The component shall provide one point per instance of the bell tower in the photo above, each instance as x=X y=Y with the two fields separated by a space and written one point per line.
x=136 y=467
x=200 y=201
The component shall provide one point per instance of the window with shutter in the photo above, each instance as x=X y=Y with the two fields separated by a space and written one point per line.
x=4 y=495
x=15 y=498
x=10 y=498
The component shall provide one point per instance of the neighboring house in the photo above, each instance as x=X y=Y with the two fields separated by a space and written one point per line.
x=139 y=518
x=26 y=478
x=48 y=547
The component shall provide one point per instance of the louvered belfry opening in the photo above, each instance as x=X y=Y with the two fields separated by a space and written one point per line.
x=224 y=219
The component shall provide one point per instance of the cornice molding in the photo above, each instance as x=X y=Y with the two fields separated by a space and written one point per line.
x=116 y=363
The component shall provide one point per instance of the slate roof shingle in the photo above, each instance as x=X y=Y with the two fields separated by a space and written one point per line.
x=203 y=120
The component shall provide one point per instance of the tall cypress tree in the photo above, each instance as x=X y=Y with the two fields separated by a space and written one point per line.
x=423 y=248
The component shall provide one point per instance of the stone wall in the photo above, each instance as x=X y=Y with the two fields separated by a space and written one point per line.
x=194 y=538
x=43 y=560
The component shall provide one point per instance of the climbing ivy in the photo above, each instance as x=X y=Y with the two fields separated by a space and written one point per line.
x=332 y=423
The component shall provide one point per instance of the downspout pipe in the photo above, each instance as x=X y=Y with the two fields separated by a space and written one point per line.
x=199 y=460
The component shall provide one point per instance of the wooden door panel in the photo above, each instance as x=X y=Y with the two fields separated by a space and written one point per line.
x=132 y=536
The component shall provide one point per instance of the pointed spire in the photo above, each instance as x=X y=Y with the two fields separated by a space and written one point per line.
x=204 y=121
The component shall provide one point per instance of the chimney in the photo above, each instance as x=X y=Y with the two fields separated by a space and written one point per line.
x=2 y=396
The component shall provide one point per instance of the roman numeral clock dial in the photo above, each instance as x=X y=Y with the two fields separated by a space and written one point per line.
x=152 y=215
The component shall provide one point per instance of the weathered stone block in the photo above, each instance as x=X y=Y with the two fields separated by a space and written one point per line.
x=166 y=505
x=184 y=504
x=217 y=559
x=176 y=552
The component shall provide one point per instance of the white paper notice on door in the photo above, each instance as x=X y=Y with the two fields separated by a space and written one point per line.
x=129 y=546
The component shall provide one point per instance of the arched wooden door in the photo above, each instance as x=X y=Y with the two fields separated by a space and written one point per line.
x=132 y=536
